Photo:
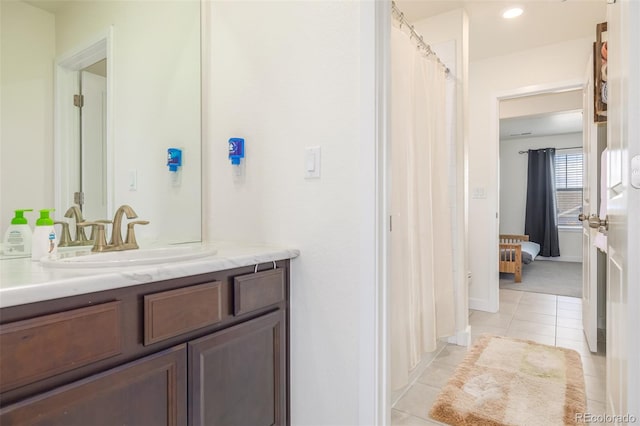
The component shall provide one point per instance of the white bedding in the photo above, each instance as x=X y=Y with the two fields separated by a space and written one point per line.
x=529 y=251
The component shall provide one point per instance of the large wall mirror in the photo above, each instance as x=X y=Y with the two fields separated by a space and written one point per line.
x=94 y=93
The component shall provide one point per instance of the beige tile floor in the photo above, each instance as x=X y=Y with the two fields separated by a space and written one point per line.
x=544 y=318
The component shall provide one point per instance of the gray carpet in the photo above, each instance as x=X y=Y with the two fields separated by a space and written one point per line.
x=544 y=276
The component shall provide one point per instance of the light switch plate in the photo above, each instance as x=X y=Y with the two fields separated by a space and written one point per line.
x=133 y=180
x=312 y=162
x=479 y=192
x=635 y=172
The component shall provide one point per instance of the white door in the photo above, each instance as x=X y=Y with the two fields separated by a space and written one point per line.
x=93 y=128
x=623 y=208
x=589 y=207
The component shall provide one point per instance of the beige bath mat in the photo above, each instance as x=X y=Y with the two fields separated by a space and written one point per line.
x=505 y=381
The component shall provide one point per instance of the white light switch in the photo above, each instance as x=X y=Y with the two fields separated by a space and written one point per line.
x=479 y=192
x=635 y=172
x=312 y=162
x=133 y=180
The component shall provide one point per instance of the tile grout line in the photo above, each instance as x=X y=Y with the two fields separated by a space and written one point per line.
x=410 y=385
x=513 y=314
x=555 y=338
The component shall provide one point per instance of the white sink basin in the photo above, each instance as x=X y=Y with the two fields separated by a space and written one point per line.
x=124 y=258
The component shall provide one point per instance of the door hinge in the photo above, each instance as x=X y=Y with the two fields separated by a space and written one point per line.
x=390 y=223
x=78 y=100
x=78 y=198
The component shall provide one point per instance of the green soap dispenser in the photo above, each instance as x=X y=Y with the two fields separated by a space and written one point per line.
x=44 y=237
x=17 y=239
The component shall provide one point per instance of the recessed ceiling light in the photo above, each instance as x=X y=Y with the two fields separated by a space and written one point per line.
x=512 y=13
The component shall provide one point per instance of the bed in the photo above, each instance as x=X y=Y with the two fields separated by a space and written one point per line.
x=514 y=251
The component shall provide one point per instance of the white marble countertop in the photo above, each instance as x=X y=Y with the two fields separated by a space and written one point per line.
x=23 y=281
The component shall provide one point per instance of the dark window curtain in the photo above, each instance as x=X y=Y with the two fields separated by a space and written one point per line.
x=541 y=220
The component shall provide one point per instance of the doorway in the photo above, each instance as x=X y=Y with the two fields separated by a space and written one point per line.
x=532 y=126
x=93 y=139
x=553 y=118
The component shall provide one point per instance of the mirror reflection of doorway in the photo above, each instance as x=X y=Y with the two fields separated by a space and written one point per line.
x=82 y=129
x=93 y=136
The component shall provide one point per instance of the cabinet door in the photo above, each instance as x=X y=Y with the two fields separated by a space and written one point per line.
x=150 y=391
x=238 y=375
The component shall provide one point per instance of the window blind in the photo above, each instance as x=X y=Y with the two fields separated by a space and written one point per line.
x=568 y=170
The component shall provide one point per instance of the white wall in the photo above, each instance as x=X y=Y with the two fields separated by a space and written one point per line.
x=545 y=103
x=513 y=189
x=287 y=75
x=26 y=121
x=489 y=79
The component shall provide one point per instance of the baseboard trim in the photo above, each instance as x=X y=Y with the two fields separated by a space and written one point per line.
x=478 y=304
x=577 y=259
x=461 y=338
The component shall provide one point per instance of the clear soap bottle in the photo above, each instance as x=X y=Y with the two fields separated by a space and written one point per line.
x=44 y=241
x=17 y=239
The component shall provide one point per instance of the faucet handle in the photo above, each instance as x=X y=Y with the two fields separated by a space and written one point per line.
x=94 y=228
x=65 y=236
x=81 y=236
x=100 y=241
x=130 y=240
x=87 y=242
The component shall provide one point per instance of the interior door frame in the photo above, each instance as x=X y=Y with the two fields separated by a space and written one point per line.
x=521 y=92
x=591 y=199
x=66 y=139
x=374 y=397
x=623 y=210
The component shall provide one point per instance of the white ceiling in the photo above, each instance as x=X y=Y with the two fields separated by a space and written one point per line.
x=51 y=6
x=543 y=22
x=541 y=125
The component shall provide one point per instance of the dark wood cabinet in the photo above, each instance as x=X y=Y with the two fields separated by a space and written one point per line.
x=147 y=392
x=237 y=375
x=208 y=349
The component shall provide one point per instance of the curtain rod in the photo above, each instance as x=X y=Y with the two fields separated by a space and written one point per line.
x=399 y=15
x=557 y=149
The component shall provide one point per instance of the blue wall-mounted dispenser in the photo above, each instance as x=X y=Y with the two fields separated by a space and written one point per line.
x=236 y=150
x=174 y=159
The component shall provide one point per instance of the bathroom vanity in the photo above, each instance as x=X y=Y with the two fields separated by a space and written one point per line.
x=201 y=342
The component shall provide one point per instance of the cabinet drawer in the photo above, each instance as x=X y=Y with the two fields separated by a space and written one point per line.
x=171 y=313
x=255 y=291
x=44 y=346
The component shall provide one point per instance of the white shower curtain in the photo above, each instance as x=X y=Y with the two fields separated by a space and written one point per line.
x=422 y=304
